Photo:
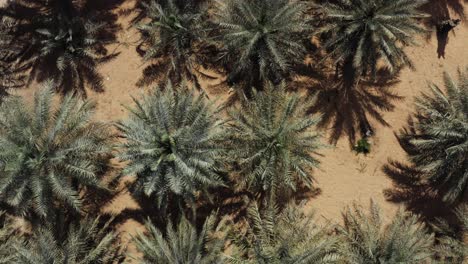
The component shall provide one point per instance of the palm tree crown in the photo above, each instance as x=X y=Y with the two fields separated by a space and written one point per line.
x=48 y=154
x=183 y=244
x=272 y=141
x=84 y=242
x=64 y=44
x=440 y=137
x=172 y=144
x=285 y=238
x=263 y=38
x=365 y=239
x=363 y=32
x=168 y=41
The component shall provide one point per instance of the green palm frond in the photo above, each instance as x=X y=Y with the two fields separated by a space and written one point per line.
x=262 y=37
x=171 y=144
x=49 y=153
x=63 y=44
x=272 y=141
x=9 y=238
x=85 y=242
x=440 y=137
x=364 y=33
x=169 y=42
x=285 y=238
x=366 y=239
x=452 y=247
x=183 y=243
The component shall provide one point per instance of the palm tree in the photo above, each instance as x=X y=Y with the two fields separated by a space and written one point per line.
x=439 y=138
x=169 y=42
x=262 y=38
x=451 y=247
x=365 y=239
x=183 y=244
x=64 y=44
x=8 y=240
x=84 y=242
x=172 y=145
x=271 y=142
x=11 y=73
x=360 y=34
x=285 y=238
x=50 y=155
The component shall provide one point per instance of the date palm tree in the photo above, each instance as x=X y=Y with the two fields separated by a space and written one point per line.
x=183 y=243
x=172 y=145
x=85 y=242
x=169 y=42
x=360 y=34
x=50 y=154
x=365 y=238
x=439 y=137
x=285 y=238
x=64 y=43
x=262 y=38
x=272 y=142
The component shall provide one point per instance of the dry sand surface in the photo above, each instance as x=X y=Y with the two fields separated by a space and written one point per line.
x=344 y=177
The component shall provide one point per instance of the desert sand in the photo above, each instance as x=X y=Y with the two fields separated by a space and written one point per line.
x=344 y=177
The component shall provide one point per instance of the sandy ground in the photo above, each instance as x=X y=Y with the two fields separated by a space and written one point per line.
x=344 y=177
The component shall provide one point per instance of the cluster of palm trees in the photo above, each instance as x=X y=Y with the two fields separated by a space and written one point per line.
x=185 y=151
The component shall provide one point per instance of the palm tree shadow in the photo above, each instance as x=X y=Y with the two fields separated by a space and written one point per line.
x=346 y=111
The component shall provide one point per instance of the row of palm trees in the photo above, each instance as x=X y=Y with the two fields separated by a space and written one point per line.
x=181 y=148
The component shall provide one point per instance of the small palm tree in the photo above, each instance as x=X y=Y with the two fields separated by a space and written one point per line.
x=183 y=244
x=8 y=240
x=365 y=239
x=285 y=238
x=85 y=242
x=63 y=44
x=50 y=155
x=360 y=34
x=169 y=42
x=262 y=37
x=439 y=139
x=452 y=247
x=272 y=142
x=171 y=145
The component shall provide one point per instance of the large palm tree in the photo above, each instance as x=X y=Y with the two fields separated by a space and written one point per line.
x=80 y=242
x=366 y=239
x=171 y=145
x=63 y=43
x=263 y=38
x=169 y=41
x=360 y=34
x=285 y=238
x=272 y=142
x=439 y=137
x=183 y=243
x=50 y=154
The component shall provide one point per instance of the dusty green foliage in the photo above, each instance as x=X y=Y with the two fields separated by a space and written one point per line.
x=9 y=238
x=49 y=154
x=272 y=142
x=439 y=138
x=364 y=32
x=85 y=242
x=63 y=44
x=365 y=239
x=172 y=144
x=12 y=74
x=285 y=238
x=168 y=41
x=363 y=146
x=183 y=243
x=451 y=247
x=263 y=38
